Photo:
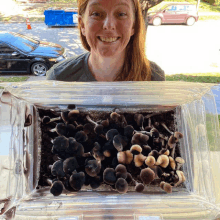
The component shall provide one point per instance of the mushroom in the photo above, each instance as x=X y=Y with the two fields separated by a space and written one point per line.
x=121 y=185
x=163 y=161
x=136 y=149
x=139 y=118
x=139 y=138
x=115 y=116
x=139 y=160
x=76 y=149
x=73 y=115
x=93 y=167
x=181 y=177
x=96 y=152
x=128 y=131
x=69 y=165
x=109 y=176
x=149 y=127
x=57 y=169
x=81 y=136
x=70 y=130
x=146 y=149
x=108 y=148
x=60 y=144
x=164 y=151
x=95 y=182
x=64 y=116
x=105 y=123
x=119 y=142
x=98 y=128
x=60 y=129
x=147 y=175
x=110 y=134
x=166 y=187
x=77 y=180
x=172 y=163
x=129 y=179
x=47 y=119
x=178 y=135
x=154 y=153
x=88 y=128
x=125 y=157
x=180 y=161
x=56 y=188
x=121 y=171
x=150 y=161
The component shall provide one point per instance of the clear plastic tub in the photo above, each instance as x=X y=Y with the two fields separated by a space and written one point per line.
x=20 y=150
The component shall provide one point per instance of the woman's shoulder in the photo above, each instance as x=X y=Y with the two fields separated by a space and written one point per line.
x=69 y=69
x=157 y=74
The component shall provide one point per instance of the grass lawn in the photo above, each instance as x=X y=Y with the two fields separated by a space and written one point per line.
x=13 y=79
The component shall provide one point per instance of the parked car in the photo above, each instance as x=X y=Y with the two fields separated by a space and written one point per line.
x=172 y=13
x=22 y=54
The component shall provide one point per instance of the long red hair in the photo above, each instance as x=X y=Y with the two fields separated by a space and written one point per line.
x=136 y=65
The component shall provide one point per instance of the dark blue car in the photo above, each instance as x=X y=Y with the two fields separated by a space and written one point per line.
x=22 y=54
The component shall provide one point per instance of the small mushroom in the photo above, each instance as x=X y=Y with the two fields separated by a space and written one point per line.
x=75 y=148
x=69 y=165
x=163 y=124
x=105 y=123
x=57 y=169
x=93 y=167
x=60 y=145
x=154 y=153
x=150 y=161
x=125 y=157
x=109 y=176
x=139 y=187
x=98 y=128
x=172 y=163
x=146 y=149
x=121 y=171
x=136 y=149
x=164 y=151
x=147 y=175
x=115 y=116
x=139 y=160
x=96 y=152
x=180 y=161
x=163 y=161
x=139 y=118
x=47 y=119
x=88 y=128
x=119 y=142
x=128 y=131
x=73 y=115
x=60 y=129
x=111 y=133
x=139 y=138
x=178 y=135
x=64 y=116
x=81 y=136
x=121 y=185
x=77 y=180
x=129 y=179
x=56 y=188
x=181 y=177
x=166 y=187
x=172 y=142
x=162 y=184
x=108 y=149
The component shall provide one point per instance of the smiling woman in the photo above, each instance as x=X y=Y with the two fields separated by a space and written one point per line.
x=114 y=34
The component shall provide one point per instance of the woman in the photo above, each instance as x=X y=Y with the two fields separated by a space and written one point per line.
x=114 y=34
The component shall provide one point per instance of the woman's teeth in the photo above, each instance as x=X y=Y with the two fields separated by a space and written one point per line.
x=106 y=39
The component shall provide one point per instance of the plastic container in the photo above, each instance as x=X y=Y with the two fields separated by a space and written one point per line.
x=196 y=117
x=67 y=17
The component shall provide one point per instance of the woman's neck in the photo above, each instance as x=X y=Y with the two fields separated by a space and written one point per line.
x=105 y=69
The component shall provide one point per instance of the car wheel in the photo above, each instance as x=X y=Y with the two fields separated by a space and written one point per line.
x=157 y=21
x=39 y=69
x=190 y=21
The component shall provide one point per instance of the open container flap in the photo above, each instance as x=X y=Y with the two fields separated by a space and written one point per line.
x=196 y=112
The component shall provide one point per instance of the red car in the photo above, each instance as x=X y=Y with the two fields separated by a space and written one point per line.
x=173 y=13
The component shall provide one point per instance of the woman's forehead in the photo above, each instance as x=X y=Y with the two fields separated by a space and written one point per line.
x=110 y=3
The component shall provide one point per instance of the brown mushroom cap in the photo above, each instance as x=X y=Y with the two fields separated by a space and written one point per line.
x=121 y=185
x=121 y=171
x=150 y=161
x=147 y=175
x=125 y=157
x=93 y=167
x=172 y=163
x=163 y=161
x=180 y=160
x=162 y=184
x=139 y=187
x=136 y=149
x=139 y=160
x=178 y=135
x=172 y=141
x=167 y=187
x=109 y=176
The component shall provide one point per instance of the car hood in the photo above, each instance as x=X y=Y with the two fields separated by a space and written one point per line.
x=47 y=49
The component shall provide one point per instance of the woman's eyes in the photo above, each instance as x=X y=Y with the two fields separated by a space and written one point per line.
x=98 y=14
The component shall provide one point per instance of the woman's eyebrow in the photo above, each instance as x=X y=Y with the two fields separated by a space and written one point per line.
x=119 y=4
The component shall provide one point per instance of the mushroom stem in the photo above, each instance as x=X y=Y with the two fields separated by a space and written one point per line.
x=143 y=132
x=49 y=181
x=153 y=114
x=55 y=119
x=173 y=152
x=88 y=154
x=90 y=120
x=166 y=128
x=149 y=122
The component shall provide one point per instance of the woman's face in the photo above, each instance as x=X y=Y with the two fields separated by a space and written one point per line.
x=108 y=26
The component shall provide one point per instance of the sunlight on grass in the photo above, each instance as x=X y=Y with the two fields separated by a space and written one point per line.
x=13 y=79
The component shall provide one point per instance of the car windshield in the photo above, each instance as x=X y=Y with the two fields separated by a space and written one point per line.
x=23 y=43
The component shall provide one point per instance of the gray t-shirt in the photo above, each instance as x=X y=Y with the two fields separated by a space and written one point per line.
x=77 y=69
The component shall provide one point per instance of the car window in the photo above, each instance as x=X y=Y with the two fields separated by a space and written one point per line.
x=6 y=50
x=23 y=43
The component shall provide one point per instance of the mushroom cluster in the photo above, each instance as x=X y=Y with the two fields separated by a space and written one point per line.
x=117 y=149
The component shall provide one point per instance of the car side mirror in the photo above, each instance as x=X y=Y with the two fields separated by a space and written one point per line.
x=15 y=54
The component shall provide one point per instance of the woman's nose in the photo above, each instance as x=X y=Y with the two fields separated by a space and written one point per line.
x=109 y=23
